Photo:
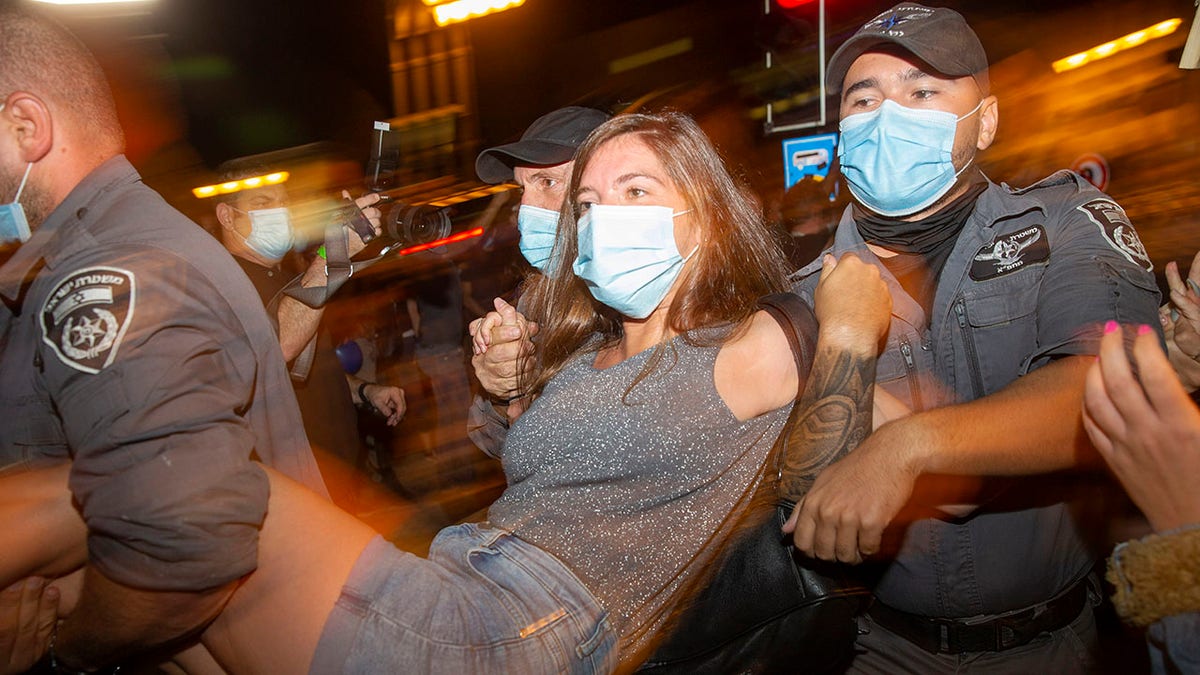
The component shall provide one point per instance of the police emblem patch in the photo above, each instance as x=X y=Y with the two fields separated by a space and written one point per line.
x=85 y=317
x=1010 y=253
x=1118 y=231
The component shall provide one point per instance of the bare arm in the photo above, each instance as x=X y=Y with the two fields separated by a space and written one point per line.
x=978 y=439
x=297 y=321
x=834 y=413
x=832 y=417
x=844 y=514
x=132 y=620
x=388 y=401
x=43 y=534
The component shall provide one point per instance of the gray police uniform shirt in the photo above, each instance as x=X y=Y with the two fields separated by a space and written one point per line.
x=135 y=346
x=1033 y=276
x=632 y=489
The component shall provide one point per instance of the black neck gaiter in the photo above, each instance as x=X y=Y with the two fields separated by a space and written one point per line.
x=920 y=236
x=923 y=246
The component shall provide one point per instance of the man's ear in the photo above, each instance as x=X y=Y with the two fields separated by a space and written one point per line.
x=225 y=215
x=28 y=118
x=989 y=121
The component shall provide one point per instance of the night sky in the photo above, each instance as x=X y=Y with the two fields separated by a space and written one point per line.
x=236 y=77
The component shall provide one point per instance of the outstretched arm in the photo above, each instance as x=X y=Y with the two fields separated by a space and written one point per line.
x=43 y=534
x=306 y=550
x=43 y=537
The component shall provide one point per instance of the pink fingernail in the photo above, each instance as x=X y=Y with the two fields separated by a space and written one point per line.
x=1143 y=329
x=1110 y=327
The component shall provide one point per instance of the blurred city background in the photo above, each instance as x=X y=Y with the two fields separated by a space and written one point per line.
x=203 y=81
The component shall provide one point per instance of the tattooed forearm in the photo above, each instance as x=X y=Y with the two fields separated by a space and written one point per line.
x=831 y=418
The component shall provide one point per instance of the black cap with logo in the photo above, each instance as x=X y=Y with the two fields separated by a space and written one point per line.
x=936 y=35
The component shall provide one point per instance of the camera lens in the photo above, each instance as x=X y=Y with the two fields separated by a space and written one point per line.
x=417 y=224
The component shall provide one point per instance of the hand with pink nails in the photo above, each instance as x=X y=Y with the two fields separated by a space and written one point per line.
x=1145 y=427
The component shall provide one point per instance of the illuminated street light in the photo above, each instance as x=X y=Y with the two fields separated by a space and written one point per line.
x=239 y=185
x=460 y=10
x=91 y=2
x=1161 y=29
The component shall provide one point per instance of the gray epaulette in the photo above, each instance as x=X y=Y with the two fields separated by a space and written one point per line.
x=1056 y=179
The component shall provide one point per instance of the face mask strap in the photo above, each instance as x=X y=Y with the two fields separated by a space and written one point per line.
x=28 y=168
x=973 y=111
x=972 y=160
x=21 y=187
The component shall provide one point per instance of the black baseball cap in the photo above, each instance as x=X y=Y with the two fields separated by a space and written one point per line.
x=552 y=139
x=937 y=35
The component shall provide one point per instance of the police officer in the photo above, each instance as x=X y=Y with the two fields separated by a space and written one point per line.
x=135 y=348
x=999 y=296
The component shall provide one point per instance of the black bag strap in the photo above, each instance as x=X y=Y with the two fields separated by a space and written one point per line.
x=799 y=324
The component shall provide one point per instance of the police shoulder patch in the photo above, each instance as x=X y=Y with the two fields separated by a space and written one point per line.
x=1011 y=252
x=1117 y=231
x=86 y=315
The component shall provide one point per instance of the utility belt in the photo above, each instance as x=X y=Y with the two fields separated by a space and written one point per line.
x=956 y=636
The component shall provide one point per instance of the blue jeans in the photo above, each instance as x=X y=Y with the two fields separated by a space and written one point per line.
x=483 y=602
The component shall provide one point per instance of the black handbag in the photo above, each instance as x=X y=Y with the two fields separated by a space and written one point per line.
x=767 y=608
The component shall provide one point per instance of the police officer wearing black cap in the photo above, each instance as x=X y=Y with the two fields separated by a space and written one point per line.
x=999 y=298
x=540 y=163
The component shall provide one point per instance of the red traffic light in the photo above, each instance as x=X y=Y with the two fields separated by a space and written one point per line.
x=791 y=4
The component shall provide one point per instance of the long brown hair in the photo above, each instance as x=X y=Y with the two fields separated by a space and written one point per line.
x=738 y=261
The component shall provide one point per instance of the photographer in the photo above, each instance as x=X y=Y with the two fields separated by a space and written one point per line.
x=256 y=228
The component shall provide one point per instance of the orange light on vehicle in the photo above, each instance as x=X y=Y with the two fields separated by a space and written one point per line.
x=239 y=185
x=461 y=10
x=1134 y=39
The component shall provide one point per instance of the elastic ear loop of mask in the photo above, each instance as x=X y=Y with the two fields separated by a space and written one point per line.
x=28 y=168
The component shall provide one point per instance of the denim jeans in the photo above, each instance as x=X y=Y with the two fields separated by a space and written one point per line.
x=483 y=602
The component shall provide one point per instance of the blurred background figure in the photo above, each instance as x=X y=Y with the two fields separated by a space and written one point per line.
x=807 y=215
x=435 y=308
x=256 y=227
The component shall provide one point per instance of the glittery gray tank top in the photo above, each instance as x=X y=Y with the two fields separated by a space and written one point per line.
x=631 y=494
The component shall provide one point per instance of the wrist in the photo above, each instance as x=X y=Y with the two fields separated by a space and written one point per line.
x=362 y=394
x=849 y=338
x=913 y=448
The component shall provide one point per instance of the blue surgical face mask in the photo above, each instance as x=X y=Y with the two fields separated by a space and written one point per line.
x=270 y=232
x=13 y=224
x=898 y=161
x=538 y=229
x=628 y=257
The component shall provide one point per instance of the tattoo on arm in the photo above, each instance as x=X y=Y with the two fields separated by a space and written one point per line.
x=831 y=418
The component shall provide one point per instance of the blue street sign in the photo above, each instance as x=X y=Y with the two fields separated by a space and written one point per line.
x=807 y=156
